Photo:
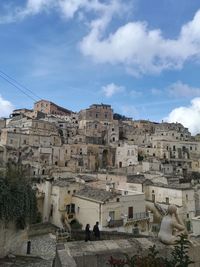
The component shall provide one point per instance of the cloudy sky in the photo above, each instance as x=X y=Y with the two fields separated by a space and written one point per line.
x=140 y=56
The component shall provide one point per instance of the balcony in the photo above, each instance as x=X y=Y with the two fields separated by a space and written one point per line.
x=140 y=216
x=115 y=223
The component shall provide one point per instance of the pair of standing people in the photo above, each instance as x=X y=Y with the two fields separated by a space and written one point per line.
x=96 y=232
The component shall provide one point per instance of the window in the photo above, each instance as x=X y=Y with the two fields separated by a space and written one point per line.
x=117 y=199
x=167 y=200
x=113 y=129
x=65 y=163
x=80 y=162
x=56 y=163
x=96 y=115
x=186 y=197
x=24 y=141
x=74 y=191
x=68 y=192
x=11 y=141
x=112 y=215
x=113 y=139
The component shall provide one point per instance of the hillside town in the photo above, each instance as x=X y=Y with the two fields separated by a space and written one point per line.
x=96 y=165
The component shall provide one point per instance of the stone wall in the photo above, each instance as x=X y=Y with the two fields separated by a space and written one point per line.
x=105 y=235
x=11 y=240
x=97 y=253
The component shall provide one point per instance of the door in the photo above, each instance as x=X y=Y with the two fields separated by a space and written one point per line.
x=130 y=212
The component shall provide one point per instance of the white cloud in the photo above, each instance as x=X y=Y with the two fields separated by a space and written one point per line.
x=142 y=50
x=180 y=89
x=66 y=8
x=5 y=107
x=112 y=89
x=134 y=45
x=32 y=7
x=188 y=116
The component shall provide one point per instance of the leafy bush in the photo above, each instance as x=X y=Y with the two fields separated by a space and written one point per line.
x=179 y=257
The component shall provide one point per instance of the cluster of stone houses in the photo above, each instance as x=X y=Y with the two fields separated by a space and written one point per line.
x=91 y=166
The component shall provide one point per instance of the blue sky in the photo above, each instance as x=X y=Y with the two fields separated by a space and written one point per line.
x=140 y=56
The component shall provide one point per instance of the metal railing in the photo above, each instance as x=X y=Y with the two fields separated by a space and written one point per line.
x=115 y=223
x=138 y=216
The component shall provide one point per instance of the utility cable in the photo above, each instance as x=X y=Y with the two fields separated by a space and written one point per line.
x=17 y=87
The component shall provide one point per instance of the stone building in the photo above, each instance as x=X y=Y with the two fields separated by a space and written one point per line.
x=49 y=107
x=113 y=209
x=96 y=112
x=172 y=131
x=126 y=155
x=181 y=195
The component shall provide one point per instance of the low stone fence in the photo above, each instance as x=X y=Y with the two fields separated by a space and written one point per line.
x=97 y=253
x=41 y=229
x=77 y=235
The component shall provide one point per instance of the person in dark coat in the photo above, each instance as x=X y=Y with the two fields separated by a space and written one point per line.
x=87 y=233
x=96 y=231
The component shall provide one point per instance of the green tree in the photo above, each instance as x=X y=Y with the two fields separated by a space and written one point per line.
x=18 y=202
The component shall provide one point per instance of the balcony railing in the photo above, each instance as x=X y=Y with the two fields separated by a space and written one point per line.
x=115 y=223
x=139 y=216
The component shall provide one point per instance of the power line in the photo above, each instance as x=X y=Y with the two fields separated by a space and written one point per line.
x=17 y=85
